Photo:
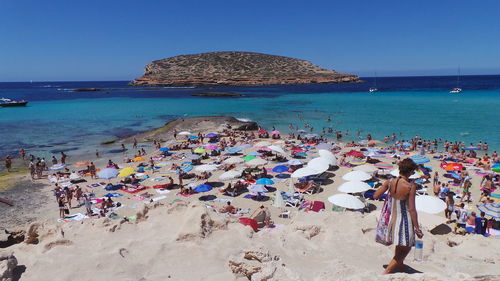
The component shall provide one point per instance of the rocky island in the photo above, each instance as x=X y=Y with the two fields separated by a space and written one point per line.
x=237 y=69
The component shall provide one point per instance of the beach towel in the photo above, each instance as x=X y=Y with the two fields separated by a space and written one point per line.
x=114 y=194
x=318 y=206
x=250 y=222
x=74 y=217
x=223 y=200
x=133 y=190
x=383 y=235
x=163 y=191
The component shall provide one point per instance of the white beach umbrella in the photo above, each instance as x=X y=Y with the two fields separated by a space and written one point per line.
x=294 y=162
x=324 y=146
x=354 y=187
x=234 y=160
x=395 y=173
x=206 y=168
x=304 y=172
x=346 y=201
x=312 y=136
x=278 y=200
x=229 y=175
x=262 y=143
x=328 y=155
x=319 y=164
x=365 y=168
x=184 y=133
x=257 y=188
x=276 y=148
x=429 y=204
x=356 y=176
x=257 y=162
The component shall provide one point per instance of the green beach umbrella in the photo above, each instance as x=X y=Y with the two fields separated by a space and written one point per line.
x=199 y=150
x=249 y=157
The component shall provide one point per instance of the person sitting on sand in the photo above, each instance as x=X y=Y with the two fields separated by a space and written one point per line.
x=228 y=209
x=263 y=217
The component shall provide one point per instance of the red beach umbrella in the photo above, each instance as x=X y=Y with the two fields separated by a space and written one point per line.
x=355 y=153
x=262 y=131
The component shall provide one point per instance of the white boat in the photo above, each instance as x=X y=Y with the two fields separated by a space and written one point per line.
x=374 y=88
x=457 y=89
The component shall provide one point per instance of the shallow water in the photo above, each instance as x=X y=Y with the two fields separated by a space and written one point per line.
x=57 y=119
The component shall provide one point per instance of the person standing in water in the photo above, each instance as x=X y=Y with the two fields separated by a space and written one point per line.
x=404 y=219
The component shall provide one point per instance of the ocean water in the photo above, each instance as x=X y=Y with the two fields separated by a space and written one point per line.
x=77 y=122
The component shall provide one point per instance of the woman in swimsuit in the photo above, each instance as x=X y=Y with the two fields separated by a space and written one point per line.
x=404 y=220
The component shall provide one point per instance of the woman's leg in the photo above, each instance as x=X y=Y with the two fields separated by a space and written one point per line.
x=397 y=261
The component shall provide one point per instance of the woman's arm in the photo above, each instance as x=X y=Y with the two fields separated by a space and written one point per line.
x=413 y=210
x=381 y=190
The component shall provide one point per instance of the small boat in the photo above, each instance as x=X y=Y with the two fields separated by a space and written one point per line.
x=373 y=90
x=457 y=89
x=11 y=103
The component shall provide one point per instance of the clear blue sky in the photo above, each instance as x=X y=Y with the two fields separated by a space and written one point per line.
x=112 y=40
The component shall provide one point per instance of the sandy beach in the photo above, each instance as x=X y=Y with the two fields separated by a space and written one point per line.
x=162 y=235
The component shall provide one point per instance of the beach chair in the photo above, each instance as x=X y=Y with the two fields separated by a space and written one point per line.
x=285 y=214
x=303 y=187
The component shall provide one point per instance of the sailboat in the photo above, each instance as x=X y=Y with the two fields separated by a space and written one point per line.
x=374 y=89
x=457 y=89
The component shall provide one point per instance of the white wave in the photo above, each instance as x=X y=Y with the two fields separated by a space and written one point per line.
x=464 y=133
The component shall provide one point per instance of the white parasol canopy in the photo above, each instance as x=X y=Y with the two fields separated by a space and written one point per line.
x=365 y=168
x=429 y=204
x=346 y=201
x=206 y=168
x=184 y=133
x=356 y=176
x=294 y=162
x=395 y=173
x=276 y=148
x=319 y=164
x=257 y=188
x=332 y=160
x=257 y=162
x=354 y=187
x=234 y=160
x=229 y=175
x=304 y=172
x=262 y=143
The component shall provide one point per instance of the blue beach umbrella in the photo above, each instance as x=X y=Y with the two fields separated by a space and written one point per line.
x=203 y=188
x=490 y=209
x=233 y=150
x=108 y=173
x=164 y=149
x=211 y=135
x=193 y=137
x=255 y=153
x=265 y=181
x=420 y=159
x=497 y=165
x=280 y=169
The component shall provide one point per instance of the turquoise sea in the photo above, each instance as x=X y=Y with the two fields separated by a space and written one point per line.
x=58 y=119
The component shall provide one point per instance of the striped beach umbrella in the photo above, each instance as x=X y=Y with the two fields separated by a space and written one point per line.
x=383 y=165
x=81 y=164
x=490 y=209
x=357 y=162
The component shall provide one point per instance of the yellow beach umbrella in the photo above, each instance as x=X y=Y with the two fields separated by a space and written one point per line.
x=125 y=172
x=138 y=159
x=199 y=150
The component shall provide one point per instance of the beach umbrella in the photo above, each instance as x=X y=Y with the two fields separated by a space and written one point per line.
x=294 y=162
x=365 y=168
x=265 y=181
x=354 y=187
x=233 y=149
x=419 y=159
x=324 y=146
x=471 y=148
x=406 y=143
x=356 y=176
x=206 y=168
x=346 y=201
x=496 y=165
x=490 y=209
x=81 y=164
x=108 y=173
x=57 y=167
x=355 y=153
x=249 y=157
x=429 y=204
x=255 y=188
x=304 y=172
x=357 y=162
x=280 y=169
x=255 y=153
x=234 y=160
x=193 y=156
x=165 y=149
x=332 y=160
x=278 y=200
x=211 y=135
x=184 y=133
x=261 y=131
x=229 y=175
x=276 y=148
x=312 y=136
x=138 y=159
x=203 y=188
x=199 y=150
x=262 y=143
x=275 y=132
x=185 y=168
x=125 y=172
x=452 y=167
x=257 y=162
x=383 y=165
x=210 y=146
x=319 y=164
x=193 y=137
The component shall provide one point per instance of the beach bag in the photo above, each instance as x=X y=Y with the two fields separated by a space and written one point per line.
x=383 y=234
x=66 y=211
